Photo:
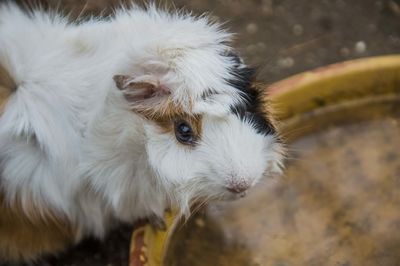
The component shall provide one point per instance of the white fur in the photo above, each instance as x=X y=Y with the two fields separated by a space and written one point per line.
x=69 y=141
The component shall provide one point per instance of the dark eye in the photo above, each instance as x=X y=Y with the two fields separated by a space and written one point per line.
x=184 y=133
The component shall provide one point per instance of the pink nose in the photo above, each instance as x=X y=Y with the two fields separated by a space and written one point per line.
x=238 y=188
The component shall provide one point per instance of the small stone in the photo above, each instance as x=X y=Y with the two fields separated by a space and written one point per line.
x=200 y=222
x=267 y=8
x=286 y=62
x=251 y=49
x=344 y=52
x=261 y=46
x=360 y=47
x=251 y=28
x=297 y=30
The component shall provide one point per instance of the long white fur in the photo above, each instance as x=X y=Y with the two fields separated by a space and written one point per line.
x=69 y=141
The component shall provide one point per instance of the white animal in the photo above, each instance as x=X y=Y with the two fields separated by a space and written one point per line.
x=117 y=119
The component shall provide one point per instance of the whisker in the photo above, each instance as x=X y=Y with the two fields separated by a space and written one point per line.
x=81 y=13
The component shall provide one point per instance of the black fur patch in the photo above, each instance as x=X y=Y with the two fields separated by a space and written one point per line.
x=250 y=108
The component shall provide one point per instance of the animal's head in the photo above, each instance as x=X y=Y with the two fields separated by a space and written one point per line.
x=209 y=133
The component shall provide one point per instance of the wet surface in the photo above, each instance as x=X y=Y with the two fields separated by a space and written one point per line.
x=336 y=205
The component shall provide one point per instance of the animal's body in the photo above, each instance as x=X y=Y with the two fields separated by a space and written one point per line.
x=117 y=119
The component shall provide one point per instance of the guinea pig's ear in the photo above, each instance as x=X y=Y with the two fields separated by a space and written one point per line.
x=142 y=92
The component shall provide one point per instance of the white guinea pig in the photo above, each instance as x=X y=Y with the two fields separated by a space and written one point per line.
x=118 y=119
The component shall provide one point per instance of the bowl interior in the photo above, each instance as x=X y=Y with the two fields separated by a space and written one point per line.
x=337 y=203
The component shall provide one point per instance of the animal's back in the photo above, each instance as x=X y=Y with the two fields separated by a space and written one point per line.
x=40 y=131
x=54 y=78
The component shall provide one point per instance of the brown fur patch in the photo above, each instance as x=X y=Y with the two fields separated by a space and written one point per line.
x=153 y=101
x=7 y=87
x=167 y=125
x=167 y=113
x=26 y=235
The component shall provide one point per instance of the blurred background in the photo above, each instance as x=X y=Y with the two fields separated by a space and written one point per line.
x=284 y=37
x=281 y=37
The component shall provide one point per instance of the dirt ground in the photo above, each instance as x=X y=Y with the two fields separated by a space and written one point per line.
x=281 y=37
x=284 y=37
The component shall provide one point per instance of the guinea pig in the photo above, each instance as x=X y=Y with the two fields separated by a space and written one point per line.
x=117 y=119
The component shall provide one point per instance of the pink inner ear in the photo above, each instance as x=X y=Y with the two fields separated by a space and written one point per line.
x=144 y=90
x=161 y=90
x=140 y=90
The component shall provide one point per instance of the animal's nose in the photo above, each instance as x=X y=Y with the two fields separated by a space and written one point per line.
x=238 y=188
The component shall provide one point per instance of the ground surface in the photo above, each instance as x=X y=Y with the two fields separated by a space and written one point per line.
x=282 y=37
